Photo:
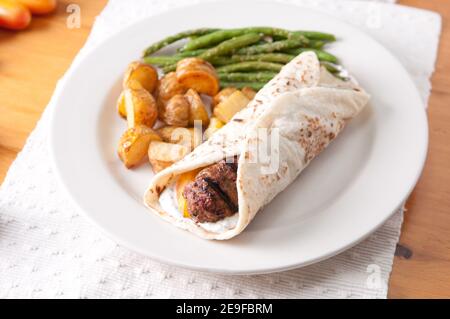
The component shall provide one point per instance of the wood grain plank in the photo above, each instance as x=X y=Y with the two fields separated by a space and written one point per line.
x=31 y=62
x=426 y=230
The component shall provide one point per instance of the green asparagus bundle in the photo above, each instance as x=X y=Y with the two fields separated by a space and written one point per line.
x=246 y=56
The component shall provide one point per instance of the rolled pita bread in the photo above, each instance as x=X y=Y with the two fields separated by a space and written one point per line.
x=304 y=105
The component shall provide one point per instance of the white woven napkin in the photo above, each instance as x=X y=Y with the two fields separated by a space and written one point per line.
x=48 y=250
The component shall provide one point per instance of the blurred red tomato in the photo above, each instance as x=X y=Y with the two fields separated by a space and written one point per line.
x=14 y=15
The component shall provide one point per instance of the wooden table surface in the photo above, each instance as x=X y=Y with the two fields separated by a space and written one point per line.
x=33 y=60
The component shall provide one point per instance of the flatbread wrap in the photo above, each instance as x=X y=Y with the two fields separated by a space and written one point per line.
x=216 y=190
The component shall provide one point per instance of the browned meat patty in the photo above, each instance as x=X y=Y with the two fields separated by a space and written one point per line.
x=224 y=175
x=212 y=196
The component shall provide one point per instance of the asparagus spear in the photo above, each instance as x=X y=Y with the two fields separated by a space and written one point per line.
x=322 y=55
x=294 y=41
x=221 y=35
x=188 y=54
x=168 y=60
x=250 y=66
x=231 y=45
x=161 y=60
x=334 y=69
x=247 y=77
x=316 y=44
x=331 y=68
x=266 y=57
x=173 y=38
x=169 y=68
x=239 y=85
x=314 y=35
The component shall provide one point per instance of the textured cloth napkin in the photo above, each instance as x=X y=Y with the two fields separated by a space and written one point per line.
x=47 y=250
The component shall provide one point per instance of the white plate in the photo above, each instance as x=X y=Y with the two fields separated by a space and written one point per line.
x=352 y=188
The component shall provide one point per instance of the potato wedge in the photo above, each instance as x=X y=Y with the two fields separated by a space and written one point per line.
x=140 y=75
x=121 y=109
x=214 y=125
x=199 y=75
x=140 y=107
x=180 y=184
x=166 y=152
x=223 y=95
x=227 y=108
x=158 y=166
x=169 y=87
x=134 y=143
x=249 y=92
x=176 y=111
x=197 y=109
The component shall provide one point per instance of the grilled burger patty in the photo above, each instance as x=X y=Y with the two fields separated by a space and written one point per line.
x=212 y=196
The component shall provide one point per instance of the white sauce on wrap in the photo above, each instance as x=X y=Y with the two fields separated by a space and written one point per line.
x=168 y=202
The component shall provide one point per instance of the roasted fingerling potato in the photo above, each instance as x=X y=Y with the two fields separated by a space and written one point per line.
x=140 y=107
x=197 y=109
x=168 y=87
x=134 y=144
x=166 y=152
x=140 y=75
x=176 y=111
x=223 y=95
x=199 y=75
